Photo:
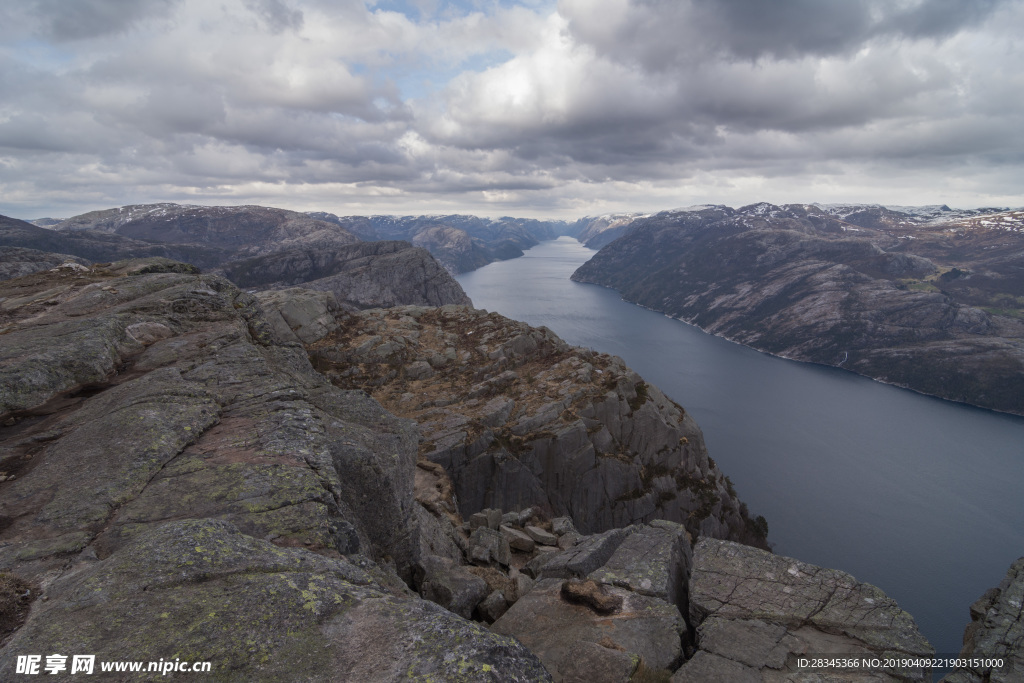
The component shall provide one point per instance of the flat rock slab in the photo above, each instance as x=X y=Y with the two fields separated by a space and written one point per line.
x=580 y=560
x=517 y=540
x=759 y=610
x=553 y=628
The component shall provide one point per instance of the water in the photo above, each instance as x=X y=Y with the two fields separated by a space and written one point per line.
x=919 y=496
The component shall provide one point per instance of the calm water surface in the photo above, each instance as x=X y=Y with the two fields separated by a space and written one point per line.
x=923 y=498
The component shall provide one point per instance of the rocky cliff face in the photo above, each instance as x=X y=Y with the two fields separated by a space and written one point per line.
x=179 y=482
x=519 y=418
x=877 y=298
x=361 y=275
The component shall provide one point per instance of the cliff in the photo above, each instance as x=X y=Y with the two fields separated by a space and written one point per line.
x=361 y=275
x=518 y=418
x=180 y=480
x=935 y=307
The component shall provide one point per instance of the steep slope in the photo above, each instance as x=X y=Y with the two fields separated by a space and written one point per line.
x=518 y=418
x=595 y=232
x=361 y=275
x=884 y=294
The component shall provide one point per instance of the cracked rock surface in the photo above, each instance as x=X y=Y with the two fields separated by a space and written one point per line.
x=180 y=482
x=760 y=611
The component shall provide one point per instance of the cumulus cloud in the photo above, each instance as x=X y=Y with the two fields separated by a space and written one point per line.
x=536 y=107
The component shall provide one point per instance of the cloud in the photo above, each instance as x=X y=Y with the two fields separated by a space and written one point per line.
x=481 y=104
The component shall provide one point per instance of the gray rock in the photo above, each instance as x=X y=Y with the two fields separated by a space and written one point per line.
x=493 y=518
x=588 y=662
x=996 y=631
x=419 y=370
x=361 y=275
x=451 y=586
x=562 y=526
x=306 y=314
x=754 y=609
x=582 y=559
x=521 y=585
x=568 y=540
x=651 y=560
x=517 y=540
x=18 y=261
x=195 y=411
x=203 y=584
x=552 y=628
x=487 y=546
x=545 y=425
x=541 y=536
x=705 y=667
x=493 y=606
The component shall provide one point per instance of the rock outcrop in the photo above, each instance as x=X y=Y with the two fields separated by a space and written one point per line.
x=361 y=275
x=995 y=634
x=518 y=418
x=935 y=307
x=18 y=261
x=756 y=614
x=181 y=483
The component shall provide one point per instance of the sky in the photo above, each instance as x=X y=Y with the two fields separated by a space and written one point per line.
x=531 y=108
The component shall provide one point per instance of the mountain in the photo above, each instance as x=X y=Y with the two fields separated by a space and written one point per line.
x=460 y=242
x=245 y=231
x=361 y=275
x=928 y=301
x=100 y=246
x=595 y=232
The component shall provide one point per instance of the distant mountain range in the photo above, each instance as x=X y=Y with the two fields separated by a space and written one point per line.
x=930 y=298
x=927 y=298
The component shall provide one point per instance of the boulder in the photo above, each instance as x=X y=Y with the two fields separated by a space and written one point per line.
x=450 y=585
x=306 y=314
x=517 y=540
x=653 y=560
x=487 y=546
